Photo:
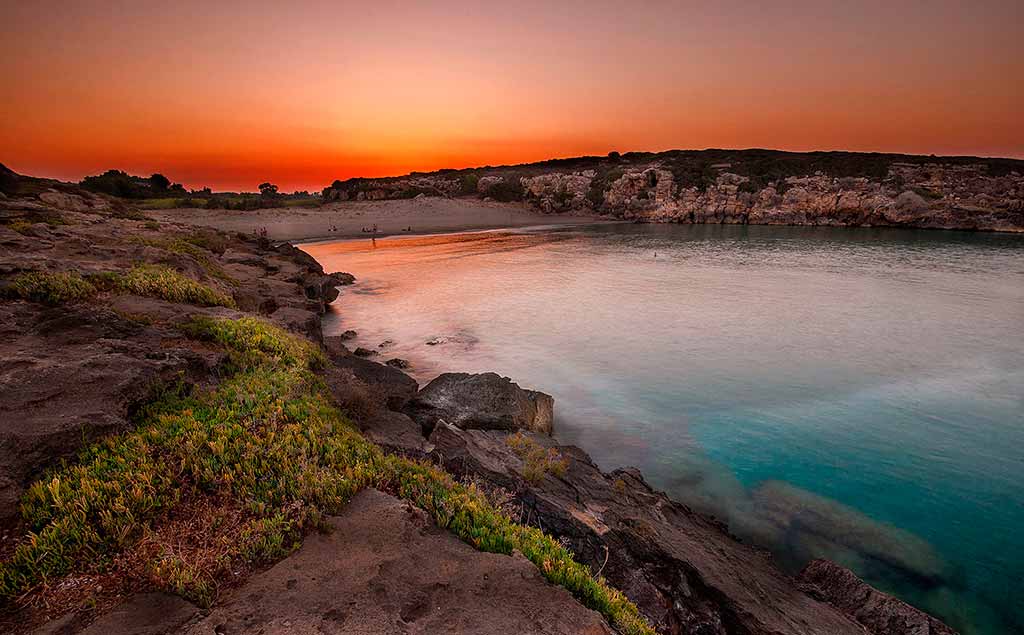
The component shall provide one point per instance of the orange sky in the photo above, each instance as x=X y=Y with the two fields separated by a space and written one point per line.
x=231 y=94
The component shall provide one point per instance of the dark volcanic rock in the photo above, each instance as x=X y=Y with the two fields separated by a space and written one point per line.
x=880 y=613
x=300 y=321
x=348 y=335
x=325 y=287
x=393 y=387
x=681 y=568
x=398 y=362
x=486 y=401
x=364 y=352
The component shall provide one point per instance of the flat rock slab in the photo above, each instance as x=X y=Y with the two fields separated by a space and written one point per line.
x=387 y=568
x=384 y=568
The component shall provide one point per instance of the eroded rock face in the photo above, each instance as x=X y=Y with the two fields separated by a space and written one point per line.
x=558 y=192
x=486 y=401
x=681 y=568
x=879 y=612
x=385 y=384
x=931 y=196
x=750 y=187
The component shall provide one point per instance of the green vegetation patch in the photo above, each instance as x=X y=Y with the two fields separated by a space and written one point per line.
x=20 y=226
x=163 y=282
x=51 y=288
x=537 y=460
x=198 y=246
x=507 y=190
x=172 y=203
x=276 y=456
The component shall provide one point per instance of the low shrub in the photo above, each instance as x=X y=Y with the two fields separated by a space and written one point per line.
x=468 y=183
x=507 y=190
x=538 y=461
x=51 y=288
x=199 y=246
x=163 y=282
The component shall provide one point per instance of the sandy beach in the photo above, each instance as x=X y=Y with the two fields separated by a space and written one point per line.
x=349 y=219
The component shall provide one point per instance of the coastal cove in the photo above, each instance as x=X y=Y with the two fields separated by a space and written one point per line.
x=828 y=392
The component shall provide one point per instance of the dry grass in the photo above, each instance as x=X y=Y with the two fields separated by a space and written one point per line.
x=538 y=461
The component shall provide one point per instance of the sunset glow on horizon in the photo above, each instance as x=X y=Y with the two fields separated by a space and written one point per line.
x=227 y=95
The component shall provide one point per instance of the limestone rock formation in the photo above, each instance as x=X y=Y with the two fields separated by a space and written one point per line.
x=755 y=187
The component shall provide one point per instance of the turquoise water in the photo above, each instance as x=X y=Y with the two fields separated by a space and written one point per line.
x=849 y=393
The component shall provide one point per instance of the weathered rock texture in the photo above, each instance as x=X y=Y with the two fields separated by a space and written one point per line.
x=72 y=373
x=383 y=567
x=682 y=569
x=757 y=187
x=486 y=401
x=879 y=612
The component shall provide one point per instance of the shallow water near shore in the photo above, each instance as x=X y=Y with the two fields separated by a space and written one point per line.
x=847 y=393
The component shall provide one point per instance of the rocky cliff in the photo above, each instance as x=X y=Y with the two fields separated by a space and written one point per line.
x=758 y=187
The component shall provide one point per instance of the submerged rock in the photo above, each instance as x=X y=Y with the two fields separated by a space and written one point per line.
x=880 y=612
x=486 y=401
x=683 y=569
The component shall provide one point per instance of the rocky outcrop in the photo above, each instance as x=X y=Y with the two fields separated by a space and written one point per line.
x=755 y=187
x=878 y=612
x=69 y=375
x=486 y=401
x=383 y=567
x=385 y=384
x=559 y=192
x=72 y=373
x=682 y=569
x=931 y=196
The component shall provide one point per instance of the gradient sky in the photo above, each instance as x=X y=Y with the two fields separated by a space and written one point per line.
x=230 y=94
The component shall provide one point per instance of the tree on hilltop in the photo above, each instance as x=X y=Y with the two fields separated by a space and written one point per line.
x=159 y=182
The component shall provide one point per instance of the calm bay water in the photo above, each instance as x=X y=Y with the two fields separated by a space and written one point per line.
x=848 y=393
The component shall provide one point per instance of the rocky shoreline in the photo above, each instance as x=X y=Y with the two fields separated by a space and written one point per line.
x=740 y=187
x=81 y=359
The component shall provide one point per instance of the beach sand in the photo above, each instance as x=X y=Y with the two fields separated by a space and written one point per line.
x=392 y=217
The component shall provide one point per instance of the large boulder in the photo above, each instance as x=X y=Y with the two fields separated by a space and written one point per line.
x=880 y=613
x=486 y=401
